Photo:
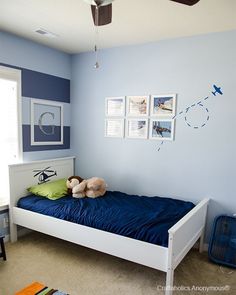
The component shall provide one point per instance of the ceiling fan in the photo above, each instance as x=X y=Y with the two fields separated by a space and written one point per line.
x=102 y=10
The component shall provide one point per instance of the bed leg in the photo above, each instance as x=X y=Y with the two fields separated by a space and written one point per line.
x=169 y=281
x=201 y=243
x=13 y=233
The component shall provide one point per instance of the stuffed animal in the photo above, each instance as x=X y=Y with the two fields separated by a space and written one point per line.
x=93 y=187
x=71 y=182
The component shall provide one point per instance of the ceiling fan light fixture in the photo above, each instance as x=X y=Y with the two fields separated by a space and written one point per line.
x=99 y=2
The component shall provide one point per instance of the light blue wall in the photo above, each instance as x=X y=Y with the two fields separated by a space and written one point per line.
x=20 y=52
x=27 y=54
x=199 y=163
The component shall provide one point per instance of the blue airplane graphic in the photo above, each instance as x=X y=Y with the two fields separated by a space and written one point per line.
x=217 y=90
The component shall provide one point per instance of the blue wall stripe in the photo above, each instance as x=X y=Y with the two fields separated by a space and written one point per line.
x=40 y=136
x=40 y=85
x=27 y=145
x=44 y=86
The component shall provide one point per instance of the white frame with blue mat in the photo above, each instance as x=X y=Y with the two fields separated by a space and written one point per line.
x=182 y=236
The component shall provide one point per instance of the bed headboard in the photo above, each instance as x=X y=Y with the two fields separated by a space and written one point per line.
x=24 y=175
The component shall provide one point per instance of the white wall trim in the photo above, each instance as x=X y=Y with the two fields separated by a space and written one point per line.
x=15 y=75
x=22 y=232
x=205 y=246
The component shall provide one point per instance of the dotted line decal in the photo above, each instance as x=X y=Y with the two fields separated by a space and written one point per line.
x=200 y=125
x=195 y=105
x=160 y=146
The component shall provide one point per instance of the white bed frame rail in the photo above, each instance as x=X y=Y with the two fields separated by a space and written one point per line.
x=182 y=236
x=116 y=245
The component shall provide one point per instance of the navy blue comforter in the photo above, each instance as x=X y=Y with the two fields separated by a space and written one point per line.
x=144 y=218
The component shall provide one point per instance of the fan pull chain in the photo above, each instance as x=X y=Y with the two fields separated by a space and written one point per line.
x=96 y=65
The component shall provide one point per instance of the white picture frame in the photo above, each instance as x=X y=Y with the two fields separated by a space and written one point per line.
x=163 y=105
x=137 y=106
x=115 y=106
x=46 y=122
x=165 y=131
x=114 y=127
x=134 y=126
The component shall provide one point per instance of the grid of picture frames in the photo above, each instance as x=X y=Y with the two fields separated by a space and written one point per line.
x=144 y=117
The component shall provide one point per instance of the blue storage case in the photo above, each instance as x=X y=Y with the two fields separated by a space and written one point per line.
x=222 y=247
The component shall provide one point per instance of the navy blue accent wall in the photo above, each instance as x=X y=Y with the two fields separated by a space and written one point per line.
x=40 y=85
x=43 y=86
x=27 y=147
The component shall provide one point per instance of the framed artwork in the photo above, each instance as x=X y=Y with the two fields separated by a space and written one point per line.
x=46 y=122
x=114 y=127
x=163 y=105
x=115 y=106
x=137 y=128
x=137 y=106
x=161 y=129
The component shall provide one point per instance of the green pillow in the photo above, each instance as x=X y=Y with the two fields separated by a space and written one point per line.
x=52 y=190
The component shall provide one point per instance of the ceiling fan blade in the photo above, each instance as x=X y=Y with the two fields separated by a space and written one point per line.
x=187 y=2
x=104 y=15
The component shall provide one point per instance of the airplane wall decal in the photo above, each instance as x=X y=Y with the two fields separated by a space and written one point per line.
x=217 y=90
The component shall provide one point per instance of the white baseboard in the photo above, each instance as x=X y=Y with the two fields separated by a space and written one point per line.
x=7 y=238
x=22 y=232
x=205 y=246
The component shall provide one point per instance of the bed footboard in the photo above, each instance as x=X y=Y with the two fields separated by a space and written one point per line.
x=182 y=237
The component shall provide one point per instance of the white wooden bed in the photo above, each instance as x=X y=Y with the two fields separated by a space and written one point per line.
x=182 y=236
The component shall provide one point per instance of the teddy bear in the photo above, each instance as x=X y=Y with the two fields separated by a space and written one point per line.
x=71 y=182
x=93 y=187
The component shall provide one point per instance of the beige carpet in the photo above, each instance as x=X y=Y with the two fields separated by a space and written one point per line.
x=81 y=271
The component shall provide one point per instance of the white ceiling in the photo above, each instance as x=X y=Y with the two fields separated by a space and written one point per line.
x=134 y=21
